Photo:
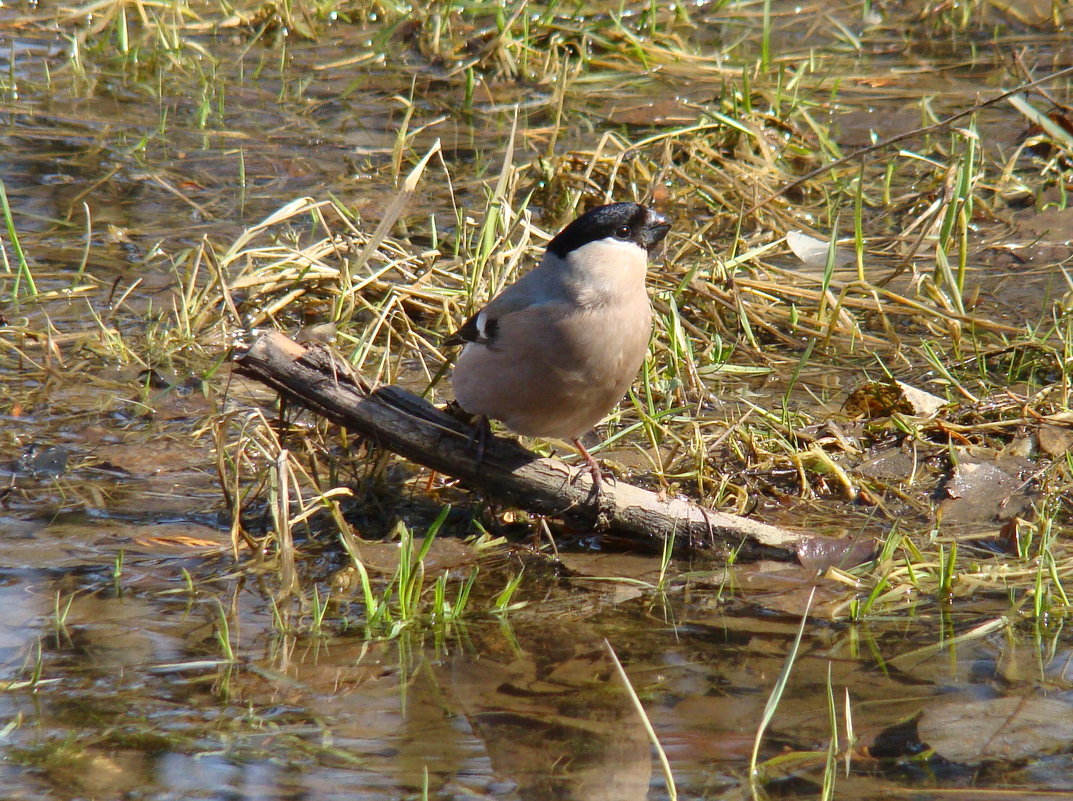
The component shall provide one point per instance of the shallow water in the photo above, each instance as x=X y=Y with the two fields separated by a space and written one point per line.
x=144 y=664
x=135 y=699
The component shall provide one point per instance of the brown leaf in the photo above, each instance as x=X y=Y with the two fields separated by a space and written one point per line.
x=662 y=111
x=997 y=728
x=984 y=490
x=612 y=565
x=876 y=400
x=443 y=554
x=1055 y=440
x=819 y=553
x=882 y=399
x=162 y=457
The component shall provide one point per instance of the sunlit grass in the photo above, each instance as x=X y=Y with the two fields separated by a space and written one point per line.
x=500 y=123
x=754 y=349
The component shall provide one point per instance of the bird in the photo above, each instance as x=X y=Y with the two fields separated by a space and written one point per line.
x=554 y=352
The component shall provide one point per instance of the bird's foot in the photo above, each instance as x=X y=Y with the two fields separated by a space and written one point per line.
x=479 y=436
x=595 y=469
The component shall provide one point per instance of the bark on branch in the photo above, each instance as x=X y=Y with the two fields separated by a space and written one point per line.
x=404 y=423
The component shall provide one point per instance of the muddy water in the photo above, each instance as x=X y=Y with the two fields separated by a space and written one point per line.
x=126 y=691
x=138 y=662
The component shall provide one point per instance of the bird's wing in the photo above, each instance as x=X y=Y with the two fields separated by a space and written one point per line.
x=469 y=332
x=535 y=288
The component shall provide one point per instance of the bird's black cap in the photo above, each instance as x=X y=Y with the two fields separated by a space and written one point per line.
x=629 y=222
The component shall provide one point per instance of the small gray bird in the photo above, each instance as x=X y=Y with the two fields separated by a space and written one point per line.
x=554 y=352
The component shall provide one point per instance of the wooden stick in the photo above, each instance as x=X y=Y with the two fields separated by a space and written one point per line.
x=404 y=423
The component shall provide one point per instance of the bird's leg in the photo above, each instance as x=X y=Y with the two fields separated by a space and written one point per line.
x=478 y=438
x=594 y=466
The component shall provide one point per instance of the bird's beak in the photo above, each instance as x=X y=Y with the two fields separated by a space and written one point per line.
x=656 y=227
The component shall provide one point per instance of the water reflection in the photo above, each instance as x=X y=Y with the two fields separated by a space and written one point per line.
x=130 y=691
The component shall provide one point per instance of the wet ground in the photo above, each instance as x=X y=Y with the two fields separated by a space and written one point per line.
x=140 y=660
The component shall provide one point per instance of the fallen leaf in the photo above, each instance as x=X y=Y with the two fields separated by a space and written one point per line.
x=882 y=399
x=819 y=553
x=664 y=111
x=443 y=554
x=983 y=491
x=612 y=566
x=891 y=463
x=1055 y=440
x=924 y=404
x=813 y=252
x=162 y=457
x=999 y=728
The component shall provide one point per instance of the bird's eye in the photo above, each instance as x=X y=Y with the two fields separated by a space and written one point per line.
x=623 y=232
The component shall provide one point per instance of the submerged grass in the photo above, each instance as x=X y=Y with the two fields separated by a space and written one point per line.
x=400 y=602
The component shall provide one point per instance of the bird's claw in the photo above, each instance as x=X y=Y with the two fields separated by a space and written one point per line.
x=595 y=470
x=478 y=438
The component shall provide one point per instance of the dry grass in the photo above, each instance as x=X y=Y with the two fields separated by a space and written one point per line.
x=755 y=350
